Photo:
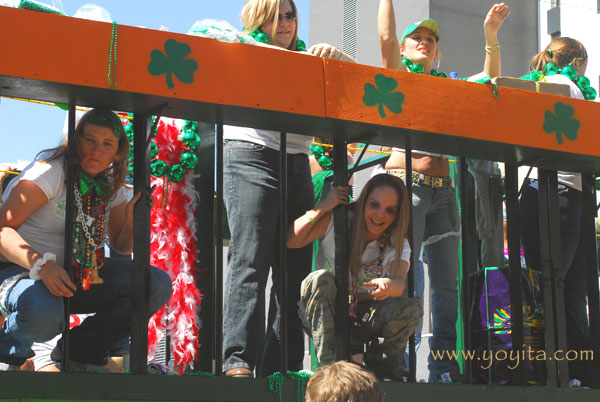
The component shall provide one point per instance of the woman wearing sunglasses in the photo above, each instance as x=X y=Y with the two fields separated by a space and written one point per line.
x=434 y=212
x=251 y=171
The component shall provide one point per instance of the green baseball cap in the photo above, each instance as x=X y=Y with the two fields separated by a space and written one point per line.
x=429 y=24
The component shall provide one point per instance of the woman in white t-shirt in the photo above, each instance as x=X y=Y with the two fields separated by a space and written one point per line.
x=33 y=280
x=379 y=256
x=563 y=61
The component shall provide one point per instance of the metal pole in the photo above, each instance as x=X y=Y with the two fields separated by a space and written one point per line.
x=218 y=252
x=588 y=233
x=514 y=262
x=283 y=277
x=414 y=260
x=340 y=222
x=141 y=246
x=69 y=218
x=548 y=275
x=560 y=316
x=469 y=253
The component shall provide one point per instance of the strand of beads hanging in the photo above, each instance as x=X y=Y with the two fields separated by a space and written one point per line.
x=582 y=82
x=128 y=127
x=263 y=38
x=417 y=68
x=89 y=237
x=319 y=153
x=188 y=160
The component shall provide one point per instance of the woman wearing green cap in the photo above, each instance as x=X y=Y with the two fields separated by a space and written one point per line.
x=33 y=281
x=435 y=212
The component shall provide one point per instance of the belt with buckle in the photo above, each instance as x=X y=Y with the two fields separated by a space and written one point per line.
x=420 y=178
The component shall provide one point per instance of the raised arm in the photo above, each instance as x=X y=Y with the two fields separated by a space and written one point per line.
x=493 y=21
x=313 y=224
x=388 y=38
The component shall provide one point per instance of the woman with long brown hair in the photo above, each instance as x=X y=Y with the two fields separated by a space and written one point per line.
x=33 y=281
x=378 y=263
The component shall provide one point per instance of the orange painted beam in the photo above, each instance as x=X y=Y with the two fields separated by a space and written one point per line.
x=66 y=59
x=73 y=51
x=460 y=109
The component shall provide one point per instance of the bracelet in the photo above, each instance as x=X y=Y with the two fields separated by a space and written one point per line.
x=311 y=220
x=492 y=48
x=34 y=272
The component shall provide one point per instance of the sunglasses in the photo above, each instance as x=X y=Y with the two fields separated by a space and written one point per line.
x=289 y=16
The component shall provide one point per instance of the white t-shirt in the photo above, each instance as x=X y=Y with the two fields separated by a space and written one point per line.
x=326 y=257
x=45 y=228
x=568 y=179
x=296 y=143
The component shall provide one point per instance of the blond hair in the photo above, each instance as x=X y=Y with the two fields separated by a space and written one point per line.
x=343 y=382
x=397 y=230
x=561 y=52
x=256 y=13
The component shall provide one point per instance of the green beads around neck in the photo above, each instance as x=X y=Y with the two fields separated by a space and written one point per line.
x=417 y=68
x=582 y=82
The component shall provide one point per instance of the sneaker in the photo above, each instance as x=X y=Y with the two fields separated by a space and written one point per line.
x=451 y=377
x=575 y=383
x=157 y=368
x=9 y=367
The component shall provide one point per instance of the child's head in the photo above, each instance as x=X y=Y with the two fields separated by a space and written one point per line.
x=343 y=382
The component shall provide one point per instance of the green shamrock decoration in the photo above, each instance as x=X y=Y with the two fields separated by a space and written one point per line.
x=381 y=94
x=561 y=122
x=173 y=61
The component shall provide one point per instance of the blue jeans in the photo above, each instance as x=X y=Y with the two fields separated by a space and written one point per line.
x=436 y=225
x=573 y=267
x=420 y=293
x=251 y=192
x=35 y=315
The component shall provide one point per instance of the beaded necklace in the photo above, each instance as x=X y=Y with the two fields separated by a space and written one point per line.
x=582 y=82
x=319 y=153
x=417 y=68
x=89 y=236
x=263 y=38
x=374 y=270
x=188 y=160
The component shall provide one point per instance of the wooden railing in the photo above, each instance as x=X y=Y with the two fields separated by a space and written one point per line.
x=175 y=75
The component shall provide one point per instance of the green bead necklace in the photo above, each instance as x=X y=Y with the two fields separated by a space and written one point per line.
x=263 y=38
x=112 y=57
x=188 y=160
x=582 y=82
x=417 y=68
x=319 y=153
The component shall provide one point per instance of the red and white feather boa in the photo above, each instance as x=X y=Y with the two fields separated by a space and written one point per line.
x=173 y=249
